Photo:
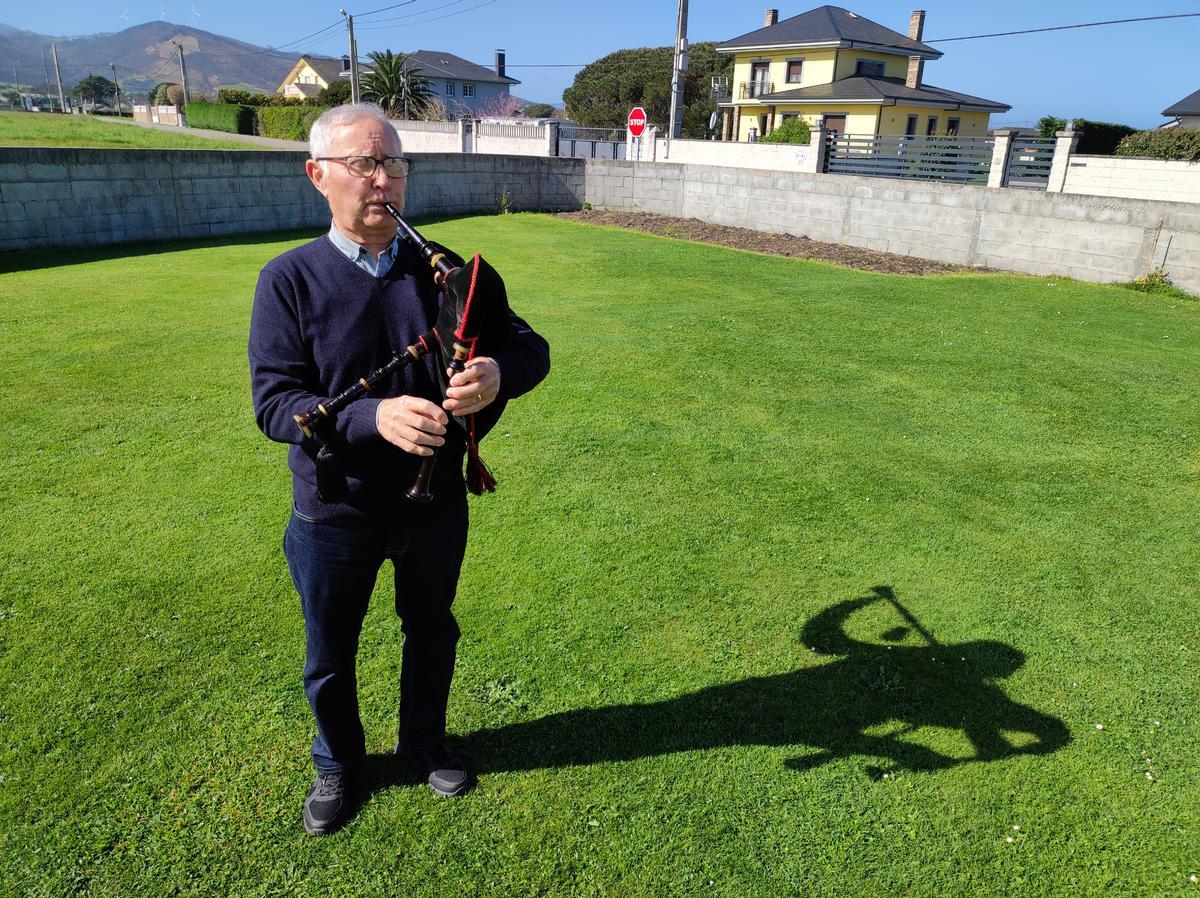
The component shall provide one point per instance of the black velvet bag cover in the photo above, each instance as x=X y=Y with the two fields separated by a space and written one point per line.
x=474 y=316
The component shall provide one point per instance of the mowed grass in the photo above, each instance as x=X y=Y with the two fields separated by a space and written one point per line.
x=681 y=673
x=36 y=129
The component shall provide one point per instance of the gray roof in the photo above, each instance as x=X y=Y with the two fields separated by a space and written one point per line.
x=438 y=64
x=1189 y=105
x=829 y=25
x=878 y=89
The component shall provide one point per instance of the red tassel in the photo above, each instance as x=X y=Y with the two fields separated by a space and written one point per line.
x=479 y=478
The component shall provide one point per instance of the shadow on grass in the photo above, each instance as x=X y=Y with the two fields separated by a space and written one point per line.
x=871 y=703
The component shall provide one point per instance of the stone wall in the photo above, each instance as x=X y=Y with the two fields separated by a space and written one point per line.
x=1091 y=238
x=82 y=197
x=1125 y=176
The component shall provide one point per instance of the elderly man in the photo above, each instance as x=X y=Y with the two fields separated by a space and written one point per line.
x=325 y=314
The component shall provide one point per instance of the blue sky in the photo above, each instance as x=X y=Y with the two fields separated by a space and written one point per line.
x=1123 y=73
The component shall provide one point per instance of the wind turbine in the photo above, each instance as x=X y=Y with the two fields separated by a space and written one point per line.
x=162 y=14
x=195 y=15
x=125 y=16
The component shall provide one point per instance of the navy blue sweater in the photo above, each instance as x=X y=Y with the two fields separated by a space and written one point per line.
x=319 y=324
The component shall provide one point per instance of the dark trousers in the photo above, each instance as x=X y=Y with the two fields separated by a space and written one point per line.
x=334 y=570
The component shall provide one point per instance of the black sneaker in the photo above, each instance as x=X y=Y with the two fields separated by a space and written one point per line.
x=327 y=806
x=446 y=774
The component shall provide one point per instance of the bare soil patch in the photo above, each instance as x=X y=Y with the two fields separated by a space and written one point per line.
x=760 y=242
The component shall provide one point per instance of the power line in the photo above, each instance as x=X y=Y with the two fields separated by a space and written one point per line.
x=279 y=47
x=377 y=26
x=973 y=37
x=385 y=8
x=415 y=14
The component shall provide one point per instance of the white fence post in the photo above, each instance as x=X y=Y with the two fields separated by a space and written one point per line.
x=817 y=143
x=551 y=130
x=1001 y=150
x=1064 y=146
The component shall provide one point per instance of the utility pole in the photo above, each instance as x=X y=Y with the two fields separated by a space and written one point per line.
x=62 y=102
x=353 y=57
x=46 y=75
x=182 y=73
x=680 y=66
x=17 y=79
x=113 y=65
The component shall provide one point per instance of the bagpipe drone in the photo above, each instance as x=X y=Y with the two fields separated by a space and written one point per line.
x=473 y=320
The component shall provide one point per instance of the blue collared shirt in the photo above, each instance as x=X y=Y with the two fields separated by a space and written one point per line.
x=363 y=257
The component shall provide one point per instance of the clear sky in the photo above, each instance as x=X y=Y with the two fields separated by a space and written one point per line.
x=1124 y=73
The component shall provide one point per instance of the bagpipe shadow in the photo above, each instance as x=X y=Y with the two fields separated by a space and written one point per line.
x=870 y=701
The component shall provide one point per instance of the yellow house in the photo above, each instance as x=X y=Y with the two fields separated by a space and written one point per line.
x=312 y=74
x=855 y=74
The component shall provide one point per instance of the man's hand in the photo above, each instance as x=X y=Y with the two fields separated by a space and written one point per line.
x=474 y=388
x=412 y=423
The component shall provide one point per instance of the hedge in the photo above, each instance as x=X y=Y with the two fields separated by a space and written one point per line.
x=220 y=117
x=1174 y=143
x=1095 y=138
x=794 y=130
x=287 y=122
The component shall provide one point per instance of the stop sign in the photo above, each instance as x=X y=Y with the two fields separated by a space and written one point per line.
x=637 y=121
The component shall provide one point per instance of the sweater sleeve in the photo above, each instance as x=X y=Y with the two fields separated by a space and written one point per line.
x=524 y=363
x=283 y=375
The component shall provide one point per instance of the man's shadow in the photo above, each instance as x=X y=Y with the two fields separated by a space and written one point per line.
x=864 y=704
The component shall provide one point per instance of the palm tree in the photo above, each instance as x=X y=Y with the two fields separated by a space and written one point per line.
x=400 y=88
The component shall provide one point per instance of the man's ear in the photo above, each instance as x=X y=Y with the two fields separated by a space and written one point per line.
x=316 y=174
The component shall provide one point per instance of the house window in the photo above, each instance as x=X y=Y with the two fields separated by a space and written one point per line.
x=869 y=67
x=468 y=90
x=910 y=130
x=449 y=88
x=952 y=126
x=793 y=71
x=931 y=126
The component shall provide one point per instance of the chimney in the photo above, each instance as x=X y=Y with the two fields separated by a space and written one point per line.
x=916 y=64
x=770 y=18
x=500 y=64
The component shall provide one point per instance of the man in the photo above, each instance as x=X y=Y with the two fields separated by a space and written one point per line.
x=324 y=315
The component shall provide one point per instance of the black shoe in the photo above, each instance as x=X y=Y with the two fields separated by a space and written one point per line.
x=327 y=807
x=446 y=774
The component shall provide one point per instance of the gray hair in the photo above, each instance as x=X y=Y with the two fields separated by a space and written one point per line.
x=339 y=117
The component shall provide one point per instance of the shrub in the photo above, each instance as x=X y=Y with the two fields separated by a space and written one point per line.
x=337 y=94
x=287 y=122
x=794 y=130
x=1174 y=143
x=220 y=117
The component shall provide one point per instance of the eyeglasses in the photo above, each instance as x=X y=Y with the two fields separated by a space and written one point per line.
x=364 y=166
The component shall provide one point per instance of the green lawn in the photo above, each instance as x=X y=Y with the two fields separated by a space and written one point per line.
x=35 y=129
x=799 y=581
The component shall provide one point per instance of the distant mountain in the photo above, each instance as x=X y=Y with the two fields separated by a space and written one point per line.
x=144 y=56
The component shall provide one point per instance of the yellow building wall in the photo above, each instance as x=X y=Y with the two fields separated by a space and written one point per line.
x=818 y=68
x=859 y=119
x=894 y=119
x=847 y=62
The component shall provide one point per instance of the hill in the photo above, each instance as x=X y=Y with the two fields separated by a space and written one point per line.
x=144 y=56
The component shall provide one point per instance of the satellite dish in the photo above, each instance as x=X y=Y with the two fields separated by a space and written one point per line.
x=712 y=121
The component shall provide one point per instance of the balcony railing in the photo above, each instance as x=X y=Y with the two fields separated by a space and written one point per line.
x=748 y=90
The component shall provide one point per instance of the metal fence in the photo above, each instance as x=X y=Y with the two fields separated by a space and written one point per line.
x=505 y=129
x=1029 y=161
x=962 y=160
x=591 y=143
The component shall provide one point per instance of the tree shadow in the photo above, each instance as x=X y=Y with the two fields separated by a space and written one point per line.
x=871 y=702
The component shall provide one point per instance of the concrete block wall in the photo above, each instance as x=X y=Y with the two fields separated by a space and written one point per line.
x=1123 y=176
x=81 y=197
x=778 y=157
x=1086 y=237
x=452 y=183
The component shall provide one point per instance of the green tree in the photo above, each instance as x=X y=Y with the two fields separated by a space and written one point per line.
x=605 y=90
x=539 y=110
x=337 y=94
x=396 y=85
x=94 y=88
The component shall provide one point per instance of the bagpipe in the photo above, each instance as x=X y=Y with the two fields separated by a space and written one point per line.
x=473 y=320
